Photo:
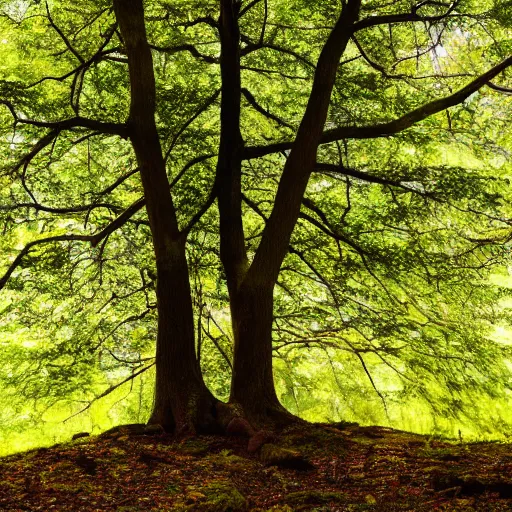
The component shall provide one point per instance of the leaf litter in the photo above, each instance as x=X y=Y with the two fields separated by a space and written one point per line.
x=350 y=468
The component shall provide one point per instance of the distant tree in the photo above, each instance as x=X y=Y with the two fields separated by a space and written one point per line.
x=324 y=166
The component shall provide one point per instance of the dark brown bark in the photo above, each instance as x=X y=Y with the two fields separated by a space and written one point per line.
x=182 y=401
x=252 y=384
x=229 y=165
x=252 y=308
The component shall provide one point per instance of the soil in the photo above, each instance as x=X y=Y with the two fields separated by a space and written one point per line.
x=343 y=468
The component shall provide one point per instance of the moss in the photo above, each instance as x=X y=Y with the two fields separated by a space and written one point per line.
x=216 y=496
x=195 y=446
x=314 y=498
x=315 y=440
x=230 y=461
x=274 y=455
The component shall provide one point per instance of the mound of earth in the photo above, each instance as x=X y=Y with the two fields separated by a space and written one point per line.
x=304 y=468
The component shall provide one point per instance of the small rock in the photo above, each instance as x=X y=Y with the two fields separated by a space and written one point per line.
x=80 y=435
x=273 y=455
x=259 y=439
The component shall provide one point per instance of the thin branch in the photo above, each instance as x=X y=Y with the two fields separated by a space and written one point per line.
x=116 y=183
x=500 y=88
x=63 y=36
x=258 y=46
x=188 y=165
x=370 y=378
x=203 y=108
x=110 y=390
x=252 y=101
x=248 y=7
x=206 y=206
x=171 y=50
x=218 y=347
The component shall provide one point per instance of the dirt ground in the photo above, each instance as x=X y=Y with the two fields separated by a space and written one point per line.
x=325 y=468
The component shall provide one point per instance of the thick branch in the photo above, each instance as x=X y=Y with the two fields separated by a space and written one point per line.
x=74 y=122
x=118 y=222
x=391 y=127
x=301 y=161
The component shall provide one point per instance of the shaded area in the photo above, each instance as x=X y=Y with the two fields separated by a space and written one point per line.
x=351 y=468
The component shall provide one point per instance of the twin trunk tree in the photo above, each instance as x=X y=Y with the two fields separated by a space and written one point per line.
x=182 y=400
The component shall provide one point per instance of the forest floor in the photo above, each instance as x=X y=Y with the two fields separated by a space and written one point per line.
x=351 y=468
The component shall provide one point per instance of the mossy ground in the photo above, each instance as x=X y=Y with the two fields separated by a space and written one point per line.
x=355 y=469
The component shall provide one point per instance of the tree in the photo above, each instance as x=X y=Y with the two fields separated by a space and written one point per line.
x=353 y=51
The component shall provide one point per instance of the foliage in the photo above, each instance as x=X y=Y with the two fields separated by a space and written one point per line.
x=396 y=277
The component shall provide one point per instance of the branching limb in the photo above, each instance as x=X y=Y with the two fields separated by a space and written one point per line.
x=98 y=56
x=120 y=129
x=110 y=390
x=58 y=211
x=411 y=17
x=35 y=243
x=41 y=144
x=391 y=127
x=254 y=104
x=63 y=36
x=93 y=239
x=171 y=50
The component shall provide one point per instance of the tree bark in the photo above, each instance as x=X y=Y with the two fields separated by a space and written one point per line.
x=229 y=164
x=182 y=401
x=252 y=383
x=251 y=308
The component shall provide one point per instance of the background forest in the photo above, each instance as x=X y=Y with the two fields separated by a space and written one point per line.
x=392 y=303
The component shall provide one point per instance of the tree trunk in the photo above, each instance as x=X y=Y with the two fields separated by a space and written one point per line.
x=251 y=307
x=182 y=401
x=252 y=384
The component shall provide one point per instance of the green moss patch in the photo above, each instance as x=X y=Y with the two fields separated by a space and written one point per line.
x=216 y=496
